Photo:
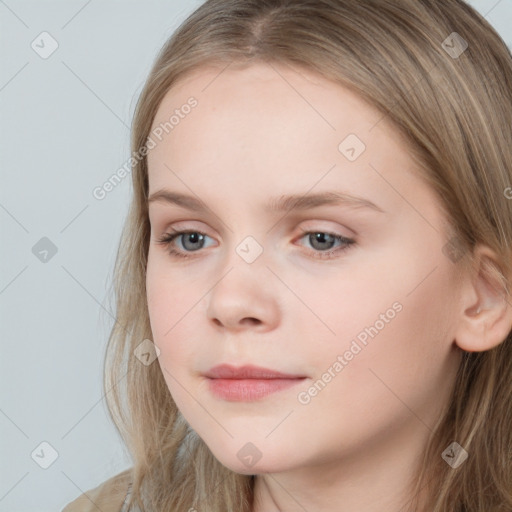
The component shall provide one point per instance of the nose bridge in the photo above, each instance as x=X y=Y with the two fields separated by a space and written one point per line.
x=247 y=233
x=242 y=296
x=250 y=249
x=246 y=262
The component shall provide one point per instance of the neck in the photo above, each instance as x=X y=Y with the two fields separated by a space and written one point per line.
x=375 y=478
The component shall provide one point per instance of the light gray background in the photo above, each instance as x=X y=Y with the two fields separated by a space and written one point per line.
x=64 y=131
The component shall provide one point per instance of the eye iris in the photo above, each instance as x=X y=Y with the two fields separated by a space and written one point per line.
x=321 y=237
x=197 y=237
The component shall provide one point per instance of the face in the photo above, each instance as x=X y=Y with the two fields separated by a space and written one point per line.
x=352 y=300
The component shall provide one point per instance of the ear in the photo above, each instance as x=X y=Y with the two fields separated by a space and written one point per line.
x=485 y=307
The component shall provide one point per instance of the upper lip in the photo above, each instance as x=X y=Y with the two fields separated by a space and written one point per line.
x=227 y=371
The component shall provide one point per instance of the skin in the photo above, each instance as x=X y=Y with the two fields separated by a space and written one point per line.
x=261 y=132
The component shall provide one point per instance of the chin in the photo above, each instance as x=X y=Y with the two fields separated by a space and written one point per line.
x=241 y=463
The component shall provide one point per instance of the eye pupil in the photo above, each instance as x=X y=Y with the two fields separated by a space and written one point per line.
x=195 y=238
x=321 y=238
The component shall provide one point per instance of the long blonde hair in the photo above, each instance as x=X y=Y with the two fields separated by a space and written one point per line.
x=455 y=110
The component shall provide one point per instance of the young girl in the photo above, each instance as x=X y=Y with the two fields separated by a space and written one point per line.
x=313 y=284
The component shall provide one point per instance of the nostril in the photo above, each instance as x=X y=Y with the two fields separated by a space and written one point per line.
x=250 y=320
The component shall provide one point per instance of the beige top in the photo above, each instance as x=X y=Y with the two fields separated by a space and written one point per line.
x=110 y=496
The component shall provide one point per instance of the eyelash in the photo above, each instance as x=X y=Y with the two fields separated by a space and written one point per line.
x=168 y=238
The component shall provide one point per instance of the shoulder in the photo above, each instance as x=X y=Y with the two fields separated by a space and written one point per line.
x=109 y=496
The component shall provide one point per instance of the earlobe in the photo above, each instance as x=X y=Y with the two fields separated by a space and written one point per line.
x=486 y=306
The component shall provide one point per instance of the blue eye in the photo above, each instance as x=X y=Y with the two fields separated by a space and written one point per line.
x=196 y=238
x=321 y=241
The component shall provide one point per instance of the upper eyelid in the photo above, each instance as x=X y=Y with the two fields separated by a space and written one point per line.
x=177 y=225
x=173 y=230
x=176 y=233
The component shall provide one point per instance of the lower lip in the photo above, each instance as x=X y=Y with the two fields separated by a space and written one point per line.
x=247 y=390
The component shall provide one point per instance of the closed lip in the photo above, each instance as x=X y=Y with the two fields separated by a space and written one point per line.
x=227 y=371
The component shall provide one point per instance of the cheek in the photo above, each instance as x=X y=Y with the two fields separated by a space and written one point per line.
x=168 y=297
x=403 y=357
x=400 y=375
x=394 y=322
x=170 y=306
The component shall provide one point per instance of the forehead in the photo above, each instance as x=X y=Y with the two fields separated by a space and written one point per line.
x=272 y=124
x=293 y=87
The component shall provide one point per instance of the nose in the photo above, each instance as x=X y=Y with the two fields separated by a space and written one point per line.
x=244 y=299
x=232 y=320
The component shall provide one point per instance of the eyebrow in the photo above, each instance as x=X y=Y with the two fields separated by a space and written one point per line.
x=274 y=205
